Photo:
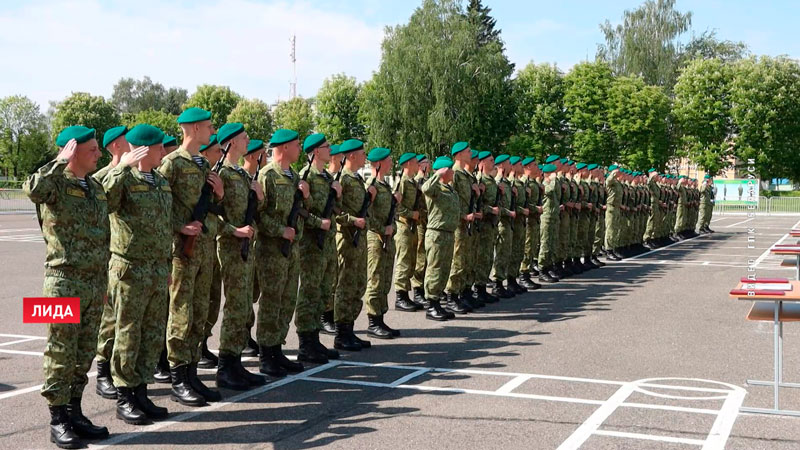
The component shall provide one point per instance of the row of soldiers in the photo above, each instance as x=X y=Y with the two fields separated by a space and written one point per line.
x=140 y=240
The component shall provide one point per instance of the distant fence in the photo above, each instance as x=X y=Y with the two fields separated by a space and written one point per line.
x=15 y=201
x=766 y=205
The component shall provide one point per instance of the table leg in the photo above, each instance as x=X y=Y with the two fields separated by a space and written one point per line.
x=776 y=357
x=797 y=268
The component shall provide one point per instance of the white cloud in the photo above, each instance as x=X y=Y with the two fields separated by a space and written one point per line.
x=53 y=48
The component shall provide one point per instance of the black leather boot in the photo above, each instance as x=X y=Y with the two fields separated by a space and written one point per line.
x=395 y=333
x=251 y=349
x=228 y=374
x=547 y=276
x=376 y=330
x=343 y=341
x=127 y=408
x=597 y=261
x=500 y=291
x=514 y=286
x=485 y=296
x=209 y=394
x=81 y=424
x=146 y=405
x=576 y=266
x=161 y=374
x=362 y=342
x=105 y=384
x=329 y=352
x=404 y=303
x=253 y=379
x=435 y=312
x=182 y=392
x=535 y=269
x=328 y=327
x=454 y=305
x=208 y=360
x=61 y=432
x=473 y=301
x=284 y=362
x=419 y=297
x=269 y=364
x=309 y=351
x=528 y=283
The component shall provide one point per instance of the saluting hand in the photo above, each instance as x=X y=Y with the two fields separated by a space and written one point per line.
x=303 y=187
x=216 y=184
x=69 y=150
x=256 y=187
x=133 y=157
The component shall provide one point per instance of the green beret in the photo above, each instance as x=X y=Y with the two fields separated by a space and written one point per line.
x=706 y=176
x=211 y=141
x=547 y=168
x=564 y=160
x=552 y=158
x=458 y=147
x=682 y=176
x=475 y=154
x=335 y=149
x=613 y=167
x=229 y=131
x=484 y=154
x=254 y=145
x=406 y=157
x=169 y=141
x=514 y=159
x=378 y=154
x=313 y=141
x=192 y=115
x=80 y=133
x=144 y=134
x=282 y=136
x=580 y=166
x=528 y=160
x=500 y=158
x=591 y=166
x=441 y=162
x=351 y=145
x=421 y=158
x=652 y=169
x=540 y=166
x=112 y=134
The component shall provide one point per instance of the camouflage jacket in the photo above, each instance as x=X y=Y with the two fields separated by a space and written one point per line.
x=279 y=192
x=319 y=184
x=443 y=205
x=378 y=212
x=408 y=190
x=614 y=193
x=353 y=191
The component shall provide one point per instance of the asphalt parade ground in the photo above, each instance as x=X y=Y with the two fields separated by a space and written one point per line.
x=645 y=353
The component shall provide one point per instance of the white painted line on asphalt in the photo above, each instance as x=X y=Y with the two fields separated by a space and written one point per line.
x=25 y=336
x=18 y=341
x=21 y=352
x=649 y=437
x=722 y=427
x=712 y=412
x=26 y=390
x=411 y=376
x=513 y=384
x=766 y=252
x=14 y=230
x=664 y=248
x=739 y=223
x=592 y=424
x=706 y=263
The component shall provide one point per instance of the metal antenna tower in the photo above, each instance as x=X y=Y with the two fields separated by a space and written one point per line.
x=292 y=56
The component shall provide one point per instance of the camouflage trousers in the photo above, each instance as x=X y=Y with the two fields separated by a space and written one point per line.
x=317 y=278
x=439 y=256
x=574 y=235
x=189 y=300
x=548 y=240
x=532 y=244
x=418 y=281
x=473 y=275
x=105 y=335
x=705 y=214
x=563 y=242
x=517 y=247
x=614 y=224
x=140 y=294
x=352 y=282
x=590 y=235
x=599 y=233
x=582 y=239
x=680 y=219
x=653 y=219
x=238 y=284
x=215 y=295
x=405 y=242
x=502 y=250
x=71 y=347
x=462 y=263
x=380 y=265
x=278 y=279
x=485 y=259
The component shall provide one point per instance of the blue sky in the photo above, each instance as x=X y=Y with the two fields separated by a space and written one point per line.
x=52 y=48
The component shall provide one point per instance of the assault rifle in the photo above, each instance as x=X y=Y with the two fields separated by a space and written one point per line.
x=330 y=203
x=364 y=211
x=296 y=211
x=202 y=206
x=250 y=212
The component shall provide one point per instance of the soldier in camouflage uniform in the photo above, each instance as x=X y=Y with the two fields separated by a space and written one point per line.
x=418 y=281
x=255 y=158
x=380 y=245
x=317 y=263
x=598 y=248
x=444 y=216
x=465 y=185
x=487 y=231
x=595 y=212
x=278 y=272
x=680 y=215
x=141 y=239
x=236 y=272
x=533 y=204
x=473 y=274
x=706 y=204
x=208 y=360
x=114 y=142
x=187 y=172
x=505 y=233
x=584 y=216
x=74 y=220
x=613 y=213
x=326 y=320
x=352 y=281
x=518 y=231
x=549 y=221
x=656 y=213
x=405 y=240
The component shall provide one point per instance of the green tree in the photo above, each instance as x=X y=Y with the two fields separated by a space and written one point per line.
x=255 y=116
x=161 y=119
x=707 y=46
x=702 y=110
x=24 y=137
x=338 y=109
x=220 y=100
x=647 y=42
x=586 y=101
x=295 y=114
x=541 y=118
x=766 y=112
x=638 y=115
x=434 y=84
x=133 y=96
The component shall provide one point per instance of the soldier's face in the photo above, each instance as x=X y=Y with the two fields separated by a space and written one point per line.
x=323 y=152
x=203 y=131
x=292 y=149
x=412 y=165
x=154 y=155
x=86 y=156
x=213 y=154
